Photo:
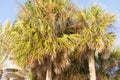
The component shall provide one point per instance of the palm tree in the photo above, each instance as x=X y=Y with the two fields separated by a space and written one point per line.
x=106 y=70
x=115 y=56
x=39 y=36
x=95 y=35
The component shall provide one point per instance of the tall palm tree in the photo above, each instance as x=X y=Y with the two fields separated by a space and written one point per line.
x=40 y=36
x=95 y=34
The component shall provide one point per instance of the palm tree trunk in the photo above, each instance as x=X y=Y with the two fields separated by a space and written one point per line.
x=91 y=63
x=49 y=71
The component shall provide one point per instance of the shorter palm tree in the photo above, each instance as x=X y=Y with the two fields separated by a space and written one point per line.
x=94 y=35
x=106 y=70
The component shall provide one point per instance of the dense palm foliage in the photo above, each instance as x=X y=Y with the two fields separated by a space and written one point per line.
x=96 y=21
x=56 y=40
x=108 y=68
x=38 y=36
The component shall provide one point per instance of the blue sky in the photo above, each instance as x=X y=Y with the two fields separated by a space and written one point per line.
x=9 y=9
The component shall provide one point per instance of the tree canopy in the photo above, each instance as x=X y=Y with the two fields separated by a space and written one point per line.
x=54 y=38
